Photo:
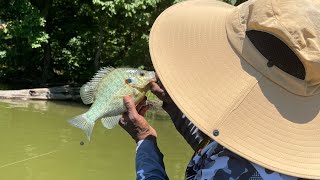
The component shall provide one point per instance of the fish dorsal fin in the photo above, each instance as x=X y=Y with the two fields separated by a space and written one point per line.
x=89 y=89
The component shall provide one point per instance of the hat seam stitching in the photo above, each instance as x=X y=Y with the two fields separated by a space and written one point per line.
x=280 y=23
x=239 y=20
x=292 y=39
x=258 y=162
x=267 y=73
x=278 y=20
x=236 y=103
x=235 y=109
x=275 y=17
x=152 y=49
x=305 y=87
x=312 y=52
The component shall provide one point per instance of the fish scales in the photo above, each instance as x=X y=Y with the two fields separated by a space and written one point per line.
x=107 y=104
x=106 y=91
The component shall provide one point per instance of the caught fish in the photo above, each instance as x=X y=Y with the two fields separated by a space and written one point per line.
x=106 y=90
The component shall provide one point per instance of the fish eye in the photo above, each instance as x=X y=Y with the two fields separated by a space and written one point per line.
x=142 y=74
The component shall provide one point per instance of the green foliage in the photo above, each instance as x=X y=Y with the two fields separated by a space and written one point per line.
x=68 y=40
x=21 y=38
x=117 y=29
x=234 y=2
x=126 y=27
x=26 y=25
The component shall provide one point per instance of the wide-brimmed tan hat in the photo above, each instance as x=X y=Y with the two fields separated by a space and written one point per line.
x=247 y=76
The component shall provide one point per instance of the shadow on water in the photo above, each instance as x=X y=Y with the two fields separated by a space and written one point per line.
x=40 y=105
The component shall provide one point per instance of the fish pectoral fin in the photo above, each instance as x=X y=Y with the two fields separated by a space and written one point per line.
x=110 y=122
x=136 y=92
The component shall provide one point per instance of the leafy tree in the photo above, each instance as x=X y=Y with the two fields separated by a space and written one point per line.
x=106 y=33
x=235 y=2
x=21 y=39
x=65 y=41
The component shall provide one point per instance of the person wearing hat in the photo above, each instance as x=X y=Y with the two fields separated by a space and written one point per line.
x=248 y=77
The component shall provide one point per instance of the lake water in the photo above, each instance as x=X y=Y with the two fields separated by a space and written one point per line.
x=37 y=143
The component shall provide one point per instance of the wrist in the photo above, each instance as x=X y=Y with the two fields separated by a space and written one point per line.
x=167 y=105
x=151 y=138
x=145 y=133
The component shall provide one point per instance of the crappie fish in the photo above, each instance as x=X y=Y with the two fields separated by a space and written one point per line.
x=106 y=90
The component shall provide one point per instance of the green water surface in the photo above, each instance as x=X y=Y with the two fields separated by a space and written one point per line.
x=38 y=144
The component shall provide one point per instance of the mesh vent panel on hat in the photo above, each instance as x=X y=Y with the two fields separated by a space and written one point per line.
x=277 y=52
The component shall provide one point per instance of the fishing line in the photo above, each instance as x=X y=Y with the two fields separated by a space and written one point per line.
x=34 y=157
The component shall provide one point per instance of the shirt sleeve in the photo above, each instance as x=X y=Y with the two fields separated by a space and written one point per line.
x=193 y=135
x=149 y=161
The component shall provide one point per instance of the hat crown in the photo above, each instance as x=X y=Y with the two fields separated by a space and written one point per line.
x=217 y=76
x=294 y=22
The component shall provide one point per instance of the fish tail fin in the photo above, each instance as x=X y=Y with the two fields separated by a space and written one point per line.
x=83 y=123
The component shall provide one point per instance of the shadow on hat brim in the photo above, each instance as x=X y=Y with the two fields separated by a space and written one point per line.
x=218 y=90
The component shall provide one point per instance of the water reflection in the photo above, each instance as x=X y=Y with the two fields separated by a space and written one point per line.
x=39 y=144
x=27 y=104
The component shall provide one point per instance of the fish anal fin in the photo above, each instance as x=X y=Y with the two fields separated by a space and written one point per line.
x=88 y=90
x=110 y=122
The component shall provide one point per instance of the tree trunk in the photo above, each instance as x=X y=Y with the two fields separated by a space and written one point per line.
x=45 y=7
x=46 y=63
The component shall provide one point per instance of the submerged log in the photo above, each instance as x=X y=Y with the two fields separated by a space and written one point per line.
x=52 y=93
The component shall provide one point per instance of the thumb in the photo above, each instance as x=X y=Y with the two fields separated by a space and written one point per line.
x=155 y=88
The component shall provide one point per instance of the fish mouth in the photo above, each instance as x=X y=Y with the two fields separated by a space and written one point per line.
x=154 y=77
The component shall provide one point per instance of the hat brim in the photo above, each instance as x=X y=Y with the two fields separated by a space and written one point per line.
x=218 y=90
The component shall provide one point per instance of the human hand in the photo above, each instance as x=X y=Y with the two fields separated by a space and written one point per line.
x=133 y=121
x=185 y=127
x=158 y=89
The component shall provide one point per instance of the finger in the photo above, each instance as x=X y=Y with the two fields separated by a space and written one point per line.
x=141 y=103
x=155 y=88
x=131 y=107
x=158 y=91
x=129 y=103
x=122 y=121
x=144 y=109
x=159 y=82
